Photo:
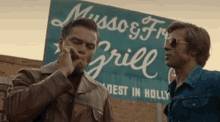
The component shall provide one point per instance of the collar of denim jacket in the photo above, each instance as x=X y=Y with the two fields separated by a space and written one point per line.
x=173 y=84
x=192 y=78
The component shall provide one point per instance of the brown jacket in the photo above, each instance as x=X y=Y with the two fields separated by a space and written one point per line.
x=44 y=95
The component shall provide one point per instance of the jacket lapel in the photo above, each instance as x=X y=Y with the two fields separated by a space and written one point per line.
x=86 y=83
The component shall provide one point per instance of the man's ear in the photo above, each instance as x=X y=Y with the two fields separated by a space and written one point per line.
x=194 y=53
x=60 y=44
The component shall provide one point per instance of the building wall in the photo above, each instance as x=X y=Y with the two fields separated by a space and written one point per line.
x=123 y=110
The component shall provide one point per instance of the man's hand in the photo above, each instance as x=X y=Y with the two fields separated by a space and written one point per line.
x=67 y=65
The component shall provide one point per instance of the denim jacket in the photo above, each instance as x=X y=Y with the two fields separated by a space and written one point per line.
x=197 y=100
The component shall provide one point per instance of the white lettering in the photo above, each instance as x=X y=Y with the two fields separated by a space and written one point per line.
x=152 y=93
x=125 y=24
x=158 y=96
x=103 y=21
x=90 y=16
x=125 y=90
x=146 y=62
x=102 y=60
x=133 y=92
x=162 y=92
x=161 y=30
x=113 y=22
x=136 y=92
x=165 y=33
x=76 y=9
x=120 y=90
x=167 y=95
x=115 y=89
x=96 y=18
x=114 y=52
x=109 y=86
x=146 y=20
x=147 y=93
x=136 y=58
x=134 y=26
x=124 y=62
x=76 y=13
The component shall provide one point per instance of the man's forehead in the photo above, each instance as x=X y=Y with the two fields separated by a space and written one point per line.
x=179 y=33
x=79 y=32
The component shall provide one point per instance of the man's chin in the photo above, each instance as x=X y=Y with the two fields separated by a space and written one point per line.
x=168 y=64
x=79 y=69
x=171 y=65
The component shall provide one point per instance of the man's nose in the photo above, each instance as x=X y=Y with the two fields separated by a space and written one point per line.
x=166 y=46
x=82 y=49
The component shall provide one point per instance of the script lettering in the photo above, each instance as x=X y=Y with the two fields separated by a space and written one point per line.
x=146 y=20
x=57 y=22
x=136 y=58
x=134 y=25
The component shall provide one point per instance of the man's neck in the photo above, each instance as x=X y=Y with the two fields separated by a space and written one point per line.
x=183 y=71
x=75 y=79
x=75 y=75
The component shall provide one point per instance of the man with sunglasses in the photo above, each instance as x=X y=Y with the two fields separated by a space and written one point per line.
x=61 y=91
x=195 y=93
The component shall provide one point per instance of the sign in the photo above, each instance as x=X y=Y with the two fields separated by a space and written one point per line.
x=6 y=80
x=130 y=60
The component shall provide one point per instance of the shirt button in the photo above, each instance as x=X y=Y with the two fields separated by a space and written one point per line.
x=193 y=104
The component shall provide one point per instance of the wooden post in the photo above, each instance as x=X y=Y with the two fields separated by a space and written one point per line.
x=159 y=112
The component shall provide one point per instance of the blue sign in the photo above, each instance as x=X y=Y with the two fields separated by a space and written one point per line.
x=130 y=60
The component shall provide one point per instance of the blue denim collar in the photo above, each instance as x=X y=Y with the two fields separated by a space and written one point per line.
x=192 y=78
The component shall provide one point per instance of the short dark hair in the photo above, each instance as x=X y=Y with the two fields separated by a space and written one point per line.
x=87 y=23
x=197 y=38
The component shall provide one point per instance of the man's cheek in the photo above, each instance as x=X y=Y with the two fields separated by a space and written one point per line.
x=89 y=59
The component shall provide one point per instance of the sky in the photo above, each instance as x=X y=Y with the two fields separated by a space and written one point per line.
x=23 y=23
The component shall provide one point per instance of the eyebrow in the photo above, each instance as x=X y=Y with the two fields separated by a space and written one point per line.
x=76 y=39
x=72 y=38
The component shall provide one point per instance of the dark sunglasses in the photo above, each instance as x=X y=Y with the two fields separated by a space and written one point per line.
x=173 y=42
